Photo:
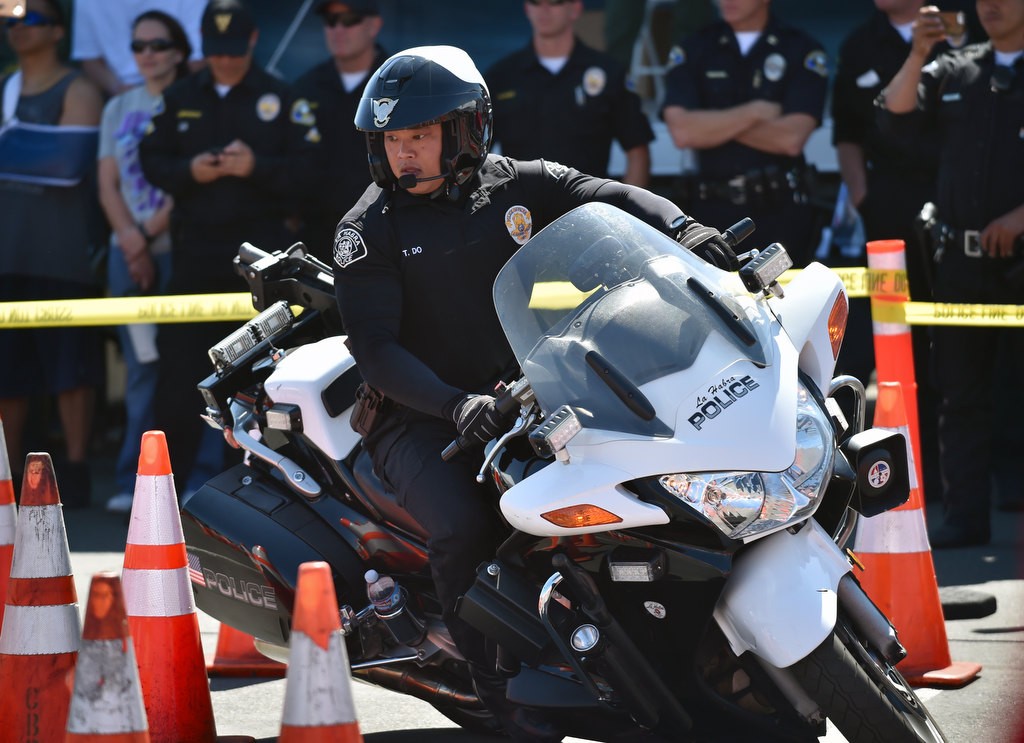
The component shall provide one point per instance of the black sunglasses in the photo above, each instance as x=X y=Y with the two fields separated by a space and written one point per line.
x=156 y=45
x=31 y=18
x=348 y=19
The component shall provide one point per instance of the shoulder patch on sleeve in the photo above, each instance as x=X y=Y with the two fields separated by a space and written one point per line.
x=817 y=62
x=348 y=247
x=555 y=170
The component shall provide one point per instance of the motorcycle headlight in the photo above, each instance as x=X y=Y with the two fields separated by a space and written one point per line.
x=745 y=504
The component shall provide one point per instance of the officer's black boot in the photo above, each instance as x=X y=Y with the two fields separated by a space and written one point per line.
x=521 y=725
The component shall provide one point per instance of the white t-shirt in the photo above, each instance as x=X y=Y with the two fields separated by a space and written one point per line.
x=124 y=124
x=103 y=28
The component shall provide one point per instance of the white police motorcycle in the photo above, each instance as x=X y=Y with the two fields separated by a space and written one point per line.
x=679 y=485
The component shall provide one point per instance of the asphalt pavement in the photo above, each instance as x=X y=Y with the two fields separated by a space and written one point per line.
x=989 y=709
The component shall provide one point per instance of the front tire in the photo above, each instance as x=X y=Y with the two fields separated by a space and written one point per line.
x=863 y=694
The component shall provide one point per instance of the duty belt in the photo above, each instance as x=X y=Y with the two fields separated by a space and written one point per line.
x=969 y=241
x=757 y=187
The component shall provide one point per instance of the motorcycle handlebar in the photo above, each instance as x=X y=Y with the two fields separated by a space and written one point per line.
x=249 y=254
x=505 y=403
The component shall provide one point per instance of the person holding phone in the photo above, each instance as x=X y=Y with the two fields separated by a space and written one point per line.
x=973 y=100
x=230 y=144
x=139 y=218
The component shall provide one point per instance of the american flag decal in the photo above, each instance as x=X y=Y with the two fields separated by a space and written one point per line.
x=195 y=570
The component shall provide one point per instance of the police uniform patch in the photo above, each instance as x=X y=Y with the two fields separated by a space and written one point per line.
x=555 y=170
x=594 y=80
x=268 y=107
x=302 y=113
x=817 y=62
x=676 y=56
x=382 y=110
x=313 y=135
x=774 y=67
x=348 y=247
x=519 y=223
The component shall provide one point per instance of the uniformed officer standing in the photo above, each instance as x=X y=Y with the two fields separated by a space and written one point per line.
x=333 y=88
x=974 y=100
x=888 y=182
x=228 y=143
x=415 y=262
x=559 y=99
x=747 y=93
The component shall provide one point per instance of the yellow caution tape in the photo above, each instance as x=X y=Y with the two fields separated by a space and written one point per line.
x=126 y=310
x=859 y=282
x=865 y=282
x=938 y=313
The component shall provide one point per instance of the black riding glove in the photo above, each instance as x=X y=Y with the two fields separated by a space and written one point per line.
x=707 y=244
x=478 y=420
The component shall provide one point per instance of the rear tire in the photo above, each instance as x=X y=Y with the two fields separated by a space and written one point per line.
x=863 y=694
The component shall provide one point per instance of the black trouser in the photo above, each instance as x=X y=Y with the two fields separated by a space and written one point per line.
x=892 y=203
x=444 y=497
x=788 y=223
x=963 y=367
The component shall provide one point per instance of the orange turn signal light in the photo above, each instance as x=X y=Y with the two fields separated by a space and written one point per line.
x=575 y=517
x=837 y=322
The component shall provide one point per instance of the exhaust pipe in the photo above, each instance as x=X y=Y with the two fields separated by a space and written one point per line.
x=417 y=684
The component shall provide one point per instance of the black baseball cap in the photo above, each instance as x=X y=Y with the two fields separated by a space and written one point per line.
x=227 y=27
x=363 y=7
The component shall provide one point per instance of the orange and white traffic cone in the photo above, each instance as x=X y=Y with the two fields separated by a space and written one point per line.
x=318 y=694
x=899 y=575
x=236 y=655
x=8 y=520
x=161 y=608
x=41 y=632
x=106 y=705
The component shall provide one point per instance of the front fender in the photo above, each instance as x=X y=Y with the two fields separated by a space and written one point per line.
x=780 y=601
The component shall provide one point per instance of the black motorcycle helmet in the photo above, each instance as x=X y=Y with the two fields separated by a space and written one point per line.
x=428 y=85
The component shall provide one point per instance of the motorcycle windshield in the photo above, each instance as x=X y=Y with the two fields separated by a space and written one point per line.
x=598 y=304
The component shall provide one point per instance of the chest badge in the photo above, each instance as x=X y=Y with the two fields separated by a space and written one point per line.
x=774 y=67
x=594 y=80
x=519 y=223
x=348 y=247
x=268 y=107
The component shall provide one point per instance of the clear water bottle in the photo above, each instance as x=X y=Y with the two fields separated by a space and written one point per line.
x=383 y=592
x=389 y=604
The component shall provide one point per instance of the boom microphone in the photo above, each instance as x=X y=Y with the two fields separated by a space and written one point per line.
x=408 y=180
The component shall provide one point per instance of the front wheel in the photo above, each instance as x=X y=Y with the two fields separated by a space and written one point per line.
x=863 y=694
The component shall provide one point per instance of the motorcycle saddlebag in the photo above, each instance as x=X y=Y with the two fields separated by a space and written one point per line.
x=241 y=535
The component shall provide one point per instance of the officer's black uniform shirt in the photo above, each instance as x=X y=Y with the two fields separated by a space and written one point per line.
x=192 y=118
x=785 y=66
x=341 y=166
x=981 y=134
x=413 y=274
x=571 y=117
x=868 y=59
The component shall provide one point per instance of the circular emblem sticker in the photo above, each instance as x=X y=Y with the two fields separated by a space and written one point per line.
x=774 y=67
x=268 y=107
x=594 y=80
x=655 y=609
x=519 y=223
x=879 y=474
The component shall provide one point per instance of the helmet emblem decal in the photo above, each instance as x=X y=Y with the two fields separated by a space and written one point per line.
x=519 y=223
x=348 y=247
x=382 y=108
